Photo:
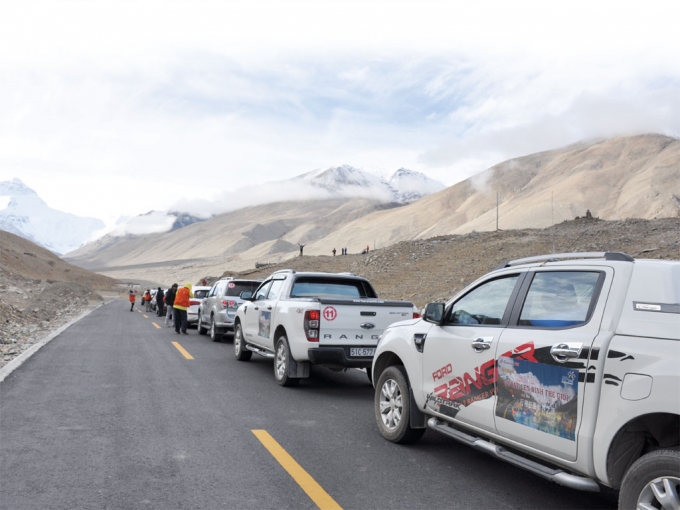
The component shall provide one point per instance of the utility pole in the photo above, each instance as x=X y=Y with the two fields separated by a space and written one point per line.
x=498 y=199
x=552 y=208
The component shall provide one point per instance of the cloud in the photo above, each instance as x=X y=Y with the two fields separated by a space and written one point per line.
x=112 y=108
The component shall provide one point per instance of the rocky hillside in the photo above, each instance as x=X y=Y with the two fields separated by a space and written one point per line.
x=435 y=269
x=626 y=177
x=39 y=292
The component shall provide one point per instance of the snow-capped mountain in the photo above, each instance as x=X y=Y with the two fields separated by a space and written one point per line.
x=23 y=213
x=404 y=186
x=154 y=222
x=409 y=186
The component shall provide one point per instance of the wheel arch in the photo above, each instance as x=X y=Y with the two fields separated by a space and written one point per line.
x=279 y=332
x=385 y=360
x=638 y=437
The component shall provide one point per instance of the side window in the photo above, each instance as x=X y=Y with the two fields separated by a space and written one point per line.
x=220 y=288
x=275 y=289
x=262 y=291
x=213 y=291
x=485 y=304
x=559 y=299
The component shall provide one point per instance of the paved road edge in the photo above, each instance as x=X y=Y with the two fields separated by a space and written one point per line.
x=19 y=360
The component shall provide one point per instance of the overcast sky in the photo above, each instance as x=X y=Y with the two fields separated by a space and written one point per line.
x=117 y=108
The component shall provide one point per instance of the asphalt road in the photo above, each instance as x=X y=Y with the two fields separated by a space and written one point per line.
x=111 y=414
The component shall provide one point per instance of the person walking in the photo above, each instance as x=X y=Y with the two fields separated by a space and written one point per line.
x=146 y=299
x=160 y=310
x=132 y=300
x=169 y=301
x=334 y=252
x=181 y=305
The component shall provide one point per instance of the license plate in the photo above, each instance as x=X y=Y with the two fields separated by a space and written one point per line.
x=362 y=351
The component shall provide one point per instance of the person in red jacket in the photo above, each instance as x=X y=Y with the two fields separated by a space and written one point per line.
x=132 y=300
x=181 y=305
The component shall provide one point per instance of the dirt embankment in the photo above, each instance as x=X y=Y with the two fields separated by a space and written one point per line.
x=435 y=269
x=39 y=293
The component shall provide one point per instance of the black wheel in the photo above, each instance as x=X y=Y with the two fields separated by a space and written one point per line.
x=240 y=351
x=201 y=329
x=392 y=406
x=214 y=335
x=653 y=481
x=369 y=373
x=282 y=362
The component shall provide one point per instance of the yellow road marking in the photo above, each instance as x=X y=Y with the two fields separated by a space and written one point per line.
x=156 y=325
x=182 y=350
x=145 y=316
x=316 y=493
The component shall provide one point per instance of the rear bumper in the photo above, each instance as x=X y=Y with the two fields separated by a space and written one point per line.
x=338 y=356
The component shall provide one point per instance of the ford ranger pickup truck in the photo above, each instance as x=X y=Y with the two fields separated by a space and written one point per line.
x=567 y=365
x=300 y=319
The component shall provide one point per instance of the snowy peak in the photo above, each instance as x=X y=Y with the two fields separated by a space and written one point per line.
x=14 y=190
x=404 y=186
x=409 y=186
x=23 y=213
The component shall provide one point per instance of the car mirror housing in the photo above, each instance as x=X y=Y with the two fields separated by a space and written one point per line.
x=246 y=295
x=434 y=312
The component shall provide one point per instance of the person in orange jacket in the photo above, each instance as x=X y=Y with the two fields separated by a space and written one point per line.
x=181 y=305
x=147 y=299
x=132 y=300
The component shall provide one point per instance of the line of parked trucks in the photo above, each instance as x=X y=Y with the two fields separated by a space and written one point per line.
x=566 y=365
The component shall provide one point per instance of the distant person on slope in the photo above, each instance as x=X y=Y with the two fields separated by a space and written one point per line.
x=160 y=311
x=181 y=306
x=169 y=301
x=132 y=300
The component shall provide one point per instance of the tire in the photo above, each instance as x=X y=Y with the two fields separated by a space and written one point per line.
x=199 y=325
x=214 y=335
x=369 y=373
x=653 y=481
x=392 y=406
x=240 y=351
x=282 y=360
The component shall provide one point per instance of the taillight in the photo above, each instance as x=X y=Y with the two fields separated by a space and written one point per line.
x=229 y=304
x=311 y=325
x=416 y=315
x=193 y=302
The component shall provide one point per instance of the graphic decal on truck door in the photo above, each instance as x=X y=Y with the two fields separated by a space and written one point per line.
x=461 y=391
x=537 y=395
x=264 y=324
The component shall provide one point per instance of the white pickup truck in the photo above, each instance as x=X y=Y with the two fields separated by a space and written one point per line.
x=301 y=319
x=565 y=365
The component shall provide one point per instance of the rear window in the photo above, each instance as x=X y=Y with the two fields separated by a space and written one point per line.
x=331 y=287
x=235 y=288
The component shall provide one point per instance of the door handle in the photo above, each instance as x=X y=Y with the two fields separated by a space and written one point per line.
x=269 y=308
x=565 y=351
x=482 y=343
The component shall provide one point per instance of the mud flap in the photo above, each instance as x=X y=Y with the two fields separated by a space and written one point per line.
x=418 y=419
x=298 y=369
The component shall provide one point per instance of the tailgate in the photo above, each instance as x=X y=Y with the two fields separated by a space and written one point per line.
x=359 y=322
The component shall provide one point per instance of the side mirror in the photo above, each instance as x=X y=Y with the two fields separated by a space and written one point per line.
x=434 y=312
x=246 y=295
